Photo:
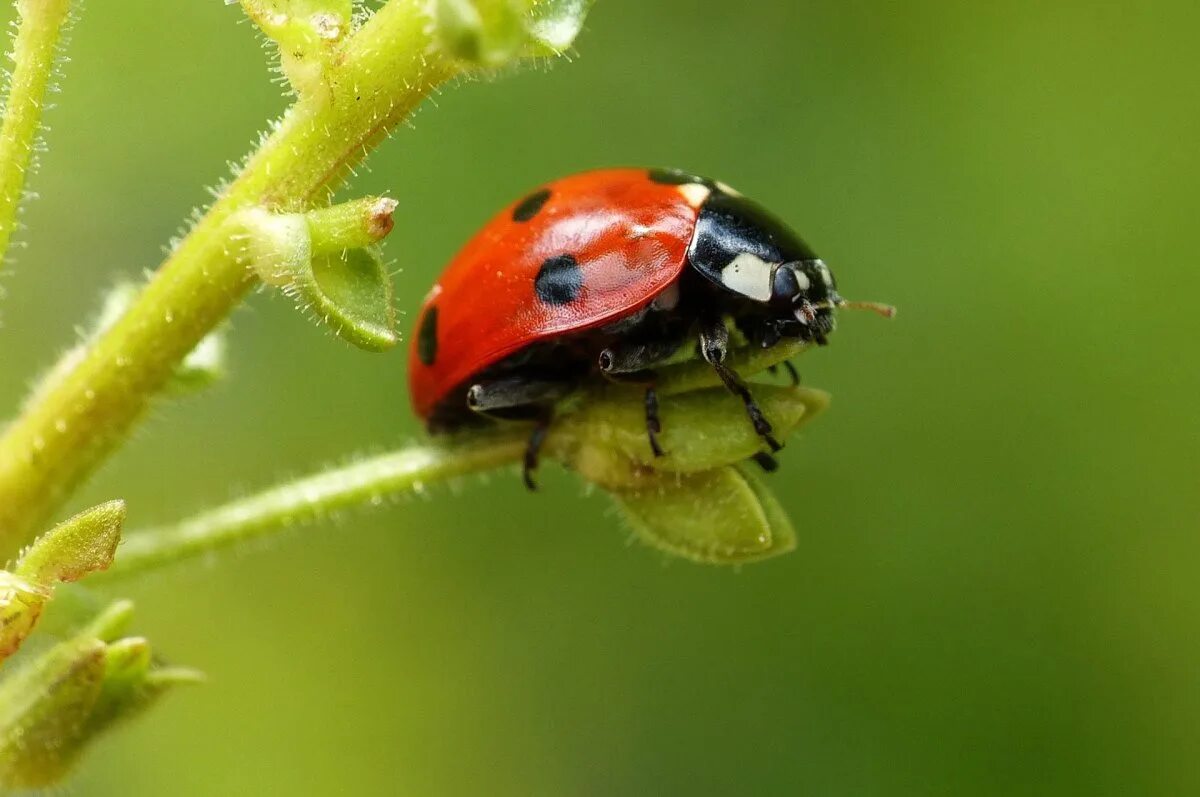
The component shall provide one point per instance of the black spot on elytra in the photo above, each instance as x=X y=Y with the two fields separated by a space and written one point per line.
x=528 y=207
x=679 y=177
x=427 y=343
x=559 y=280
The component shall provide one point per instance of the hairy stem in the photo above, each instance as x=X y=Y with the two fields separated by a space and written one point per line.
x=363 y=483
x=385 y=70
x=33 y=61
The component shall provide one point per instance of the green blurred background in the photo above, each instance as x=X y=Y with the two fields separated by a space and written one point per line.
x=995 y=589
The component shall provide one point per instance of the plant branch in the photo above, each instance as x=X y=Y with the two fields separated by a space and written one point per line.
x=385 y=70
x=364 y=483
x=33 y=61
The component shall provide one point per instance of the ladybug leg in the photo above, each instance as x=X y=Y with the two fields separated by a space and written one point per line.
x=632 y=358
x=765 y=461
x=508 y=397
x=714 y=345
x=653 y=425
x=521 y=399
x=533 y=448
x=791 y=369
x=630 y=363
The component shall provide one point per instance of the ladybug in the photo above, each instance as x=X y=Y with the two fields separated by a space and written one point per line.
x=610 y=272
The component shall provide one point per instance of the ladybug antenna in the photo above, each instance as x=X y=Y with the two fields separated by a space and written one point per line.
x=885 y=310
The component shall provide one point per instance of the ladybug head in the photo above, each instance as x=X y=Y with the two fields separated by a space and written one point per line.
x=803 y=296
x=765 y=268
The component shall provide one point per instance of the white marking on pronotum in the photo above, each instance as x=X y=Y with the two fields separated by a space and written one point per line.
x=694 y=193
x=749 y=275
x=823 y=270
x=802 y=281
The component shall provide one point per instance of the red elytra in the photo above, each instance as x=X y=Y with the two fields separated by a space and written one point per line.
x=628 y=234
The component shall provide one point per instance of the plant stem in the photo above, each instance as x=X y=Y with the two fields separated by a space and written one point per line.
x=386 y=69
x=33 y=61
x=363 y=483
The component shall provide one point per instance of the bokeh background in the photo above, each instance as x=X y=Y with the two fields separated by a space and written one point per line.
x=995 y=590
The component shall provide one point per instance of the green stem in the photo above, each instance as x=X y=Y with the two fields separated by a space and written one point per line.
x=364 y=483
x=33 y=61
x=386 y=69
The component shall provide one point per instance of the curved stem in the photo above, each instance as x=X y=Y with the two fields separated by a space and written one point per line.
x=363 y=483
x=386 y=68
x=33 y=61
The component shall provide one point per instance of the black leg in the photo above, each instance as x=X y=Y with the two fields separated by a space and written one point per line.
x=653 y=426
x=629 y=358
x=714 y=345
x=629 y=364
x=791 y=369
x=736 y=386
x=533 y=449
x=714 y=340
x=521 y=399
x=765 y=461
x=497 y=395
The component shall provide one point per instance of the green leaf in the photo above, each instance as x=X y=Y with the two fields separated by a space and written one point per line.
x=721 y=516
x=58 y=703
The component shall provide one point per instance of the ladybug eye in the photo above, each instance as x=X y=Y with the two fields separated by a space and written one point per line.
x=788 y=284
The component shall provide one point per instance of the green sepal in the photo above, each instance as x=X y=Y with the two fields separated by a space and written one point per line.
x=203 y=366
x=58 y=703
x=554 y=24
x=749 y=361
x=605 y=439
x=21 y=606
x=494 y=33
x=721 y=516
x=45 y=708
x=488 y=33
x=83 y=544
x=352 y=293
x=308 y=33
x=80 y=545
x=328 y=261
